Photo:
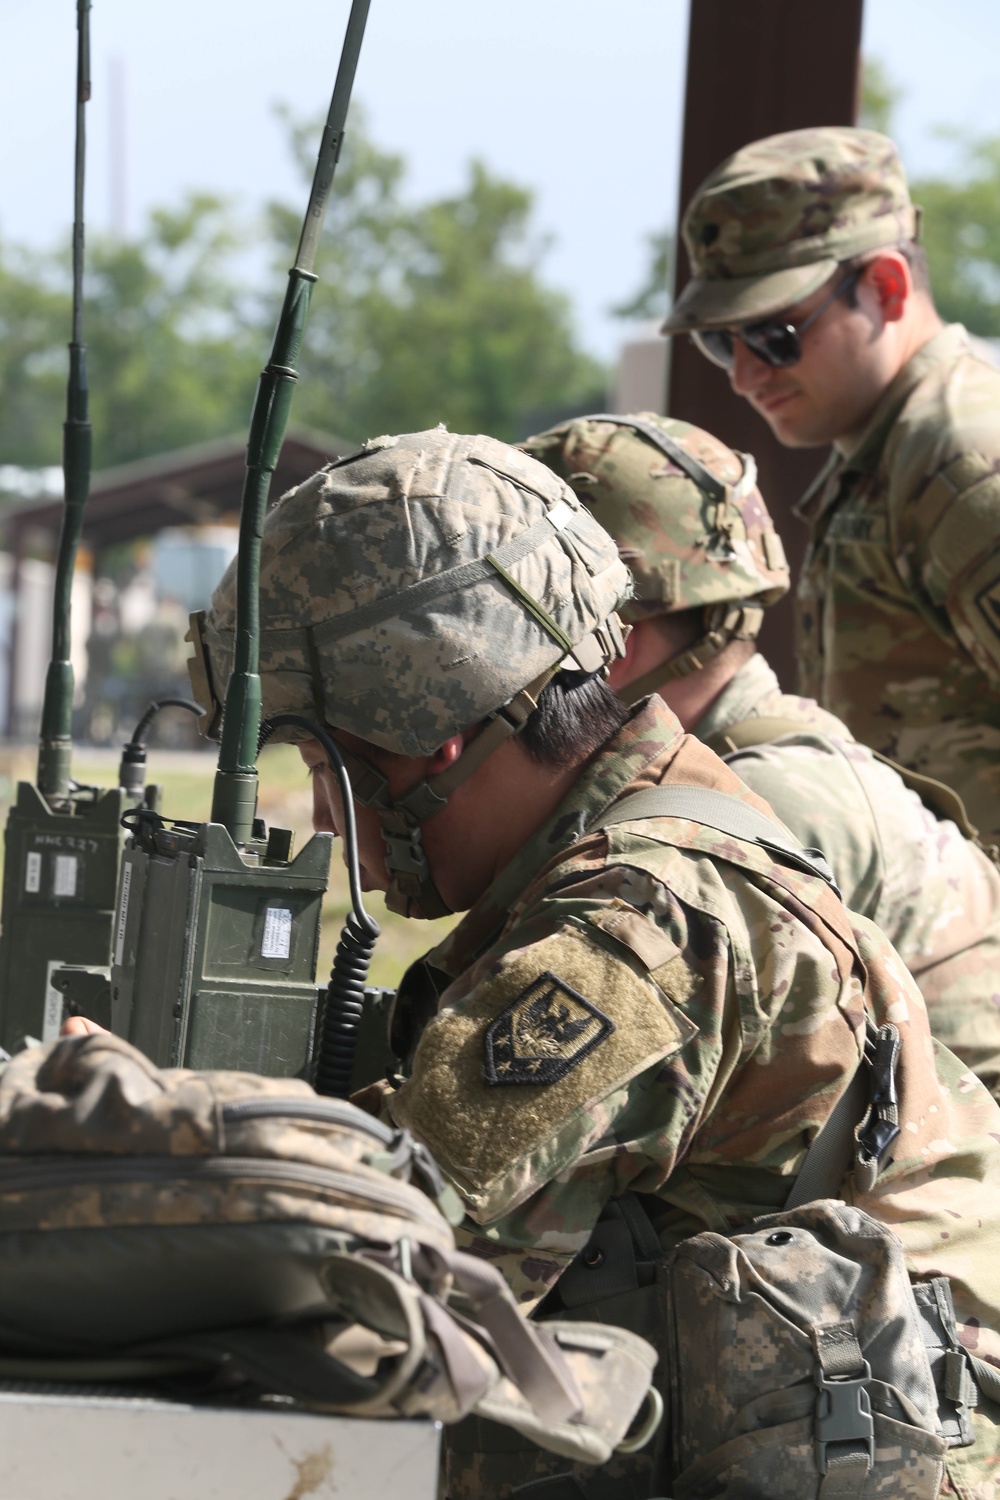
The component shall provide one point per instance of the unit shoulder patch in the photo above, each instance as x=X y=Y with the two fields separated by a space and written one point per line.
x=564 y=1012
x=548 y=1029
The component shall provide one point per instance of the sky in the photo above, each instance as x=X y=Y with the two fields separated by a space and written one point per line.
x=580 y=100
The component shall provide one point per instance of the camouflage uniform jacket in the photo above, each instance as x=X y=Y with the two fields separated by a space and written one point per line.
x=932 y=892
x=660 y=1008
x=899 y=597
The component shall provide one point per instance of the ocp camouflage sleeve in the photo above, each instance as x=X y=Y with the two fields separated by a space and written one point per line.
x=620 y=1030
x=899 y=597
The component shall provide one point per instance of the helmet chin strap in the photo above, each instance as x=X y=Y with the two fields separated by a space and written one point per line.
x=725 y=623
x=412 y=892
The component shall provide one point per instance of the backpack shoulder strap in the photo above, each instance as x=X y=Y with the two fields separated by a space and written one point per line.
x=755 y=731
x=724 y=812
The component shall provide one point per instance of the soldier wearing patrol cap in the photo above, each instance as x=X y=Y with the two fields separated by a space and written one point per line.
x=692 y=525
x=810 y=288
x=654 y=992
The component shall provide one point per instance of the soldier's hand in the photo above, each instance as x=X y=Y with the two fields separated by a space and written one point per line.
x=79 y=1026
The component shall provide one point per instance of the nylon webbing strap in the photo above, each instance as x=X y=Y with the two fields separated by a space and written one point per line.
x=560 y=518
x=718 y=810
x=845 y=1431
x=942 y=800
x=532 y=605
x=987 y=1377
x=828 y=1159
x=703 y=478
x=747 y=733
x=418 y=594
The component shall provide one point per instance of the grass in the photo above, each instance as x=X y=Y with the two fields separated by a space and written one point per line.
x=285 y=802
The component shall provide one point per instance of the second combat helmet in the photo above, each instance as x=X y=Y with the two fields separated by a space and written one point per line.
x=688 y=519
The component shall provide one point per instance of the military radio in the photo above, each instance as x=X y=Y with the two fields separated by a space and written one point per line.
x=63 y=841
x=217 y=928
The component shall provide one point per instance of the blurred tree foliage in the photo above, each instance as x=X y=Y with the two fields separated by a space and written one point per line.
x=652 y=300
x=424 y=313
x=879 y=96
x=172 y=350
x=431 y=313
x=961 y=231
x=961 y=218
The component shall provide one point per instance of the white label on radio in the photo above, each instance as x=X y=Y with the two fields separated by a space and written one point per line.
x=52 y=1016
x=66 y=870
x=122 y=914
x=277 y=941
x=33 y=873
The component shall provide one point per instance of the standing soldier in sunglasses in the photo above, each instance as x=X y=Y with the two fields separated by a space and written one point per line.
x=811 y=289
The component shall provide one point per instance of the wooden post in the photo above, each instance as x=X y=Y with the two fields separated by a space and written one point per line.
x=756 y=67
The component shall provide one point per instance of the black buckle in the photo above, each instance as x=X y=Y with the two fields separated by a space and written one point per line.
x=844 y=1415
x=405 y=855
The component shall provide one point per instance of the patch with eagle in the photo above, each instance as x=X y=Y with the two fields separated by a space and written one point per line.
x=546 y=1031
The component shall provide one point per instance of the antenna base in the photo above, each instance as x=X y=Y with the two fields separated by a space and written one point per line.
x=234 y=803
x=54 y=759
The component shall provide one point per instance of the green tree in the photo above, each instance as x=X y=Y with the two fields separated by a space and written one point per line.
x=961 y=232
x=34 y=318
x=652 y=300
x=880 y=94
x=423 y=313
x=174 y=346
x=173 y=352
x=432 y=312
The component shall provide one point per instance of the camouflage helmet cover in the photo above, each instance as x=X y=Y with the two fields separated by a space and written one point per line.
x=688 y=544
x=411 y=590
x=771 y=224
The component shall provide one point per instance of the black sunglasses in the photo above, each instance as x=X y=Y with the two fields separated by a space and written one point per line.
x=774 y=340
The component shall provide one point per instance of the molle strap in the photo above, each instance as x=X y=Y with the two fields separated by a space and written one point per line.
x=703 y=477
x=723 y=811
x=531 y=604
x=417 y=595
x=845 y=1429
x=761 y=730
x=942 y=800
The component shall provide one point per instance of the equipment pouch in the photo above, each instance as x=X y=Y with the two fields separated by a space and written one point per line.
x=243 y=1235
x=799 y=1364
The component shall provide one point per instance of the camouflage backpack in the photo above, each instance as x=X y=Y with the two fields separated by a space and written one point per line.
x=243 y=1235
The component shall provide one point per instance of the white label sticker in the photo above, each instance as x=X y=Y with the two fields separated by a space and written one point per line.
x=33 y=873
x=277 y=940
x=122 y=914
x=65 y=881
x=52 y=1016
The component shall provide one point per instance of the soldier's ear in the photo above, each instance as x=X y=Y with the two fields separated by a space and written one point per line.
x=889 y=277
x=446 y=755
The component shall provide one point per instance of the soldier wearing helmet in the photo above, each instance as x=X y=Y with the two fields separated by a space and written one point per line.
x=660 y=1003
x=661 y=487
x=810 y=288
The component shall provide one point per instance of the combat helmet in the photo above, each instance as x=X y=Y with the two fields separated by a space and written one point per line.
x=689 y=521
x=430 y=583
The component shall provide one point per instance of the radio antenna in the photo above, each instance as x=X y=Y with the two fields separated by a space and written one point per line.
x=55 y=738
x=235 y=797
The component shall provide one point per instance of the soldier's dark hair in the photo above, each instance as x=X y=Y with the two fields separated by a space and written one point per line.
x=577 y=713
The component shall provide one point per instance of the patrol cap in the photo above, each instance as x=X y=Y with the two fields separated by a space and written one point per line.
x=413 y=589
x=771 y=224
x=684 y=509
